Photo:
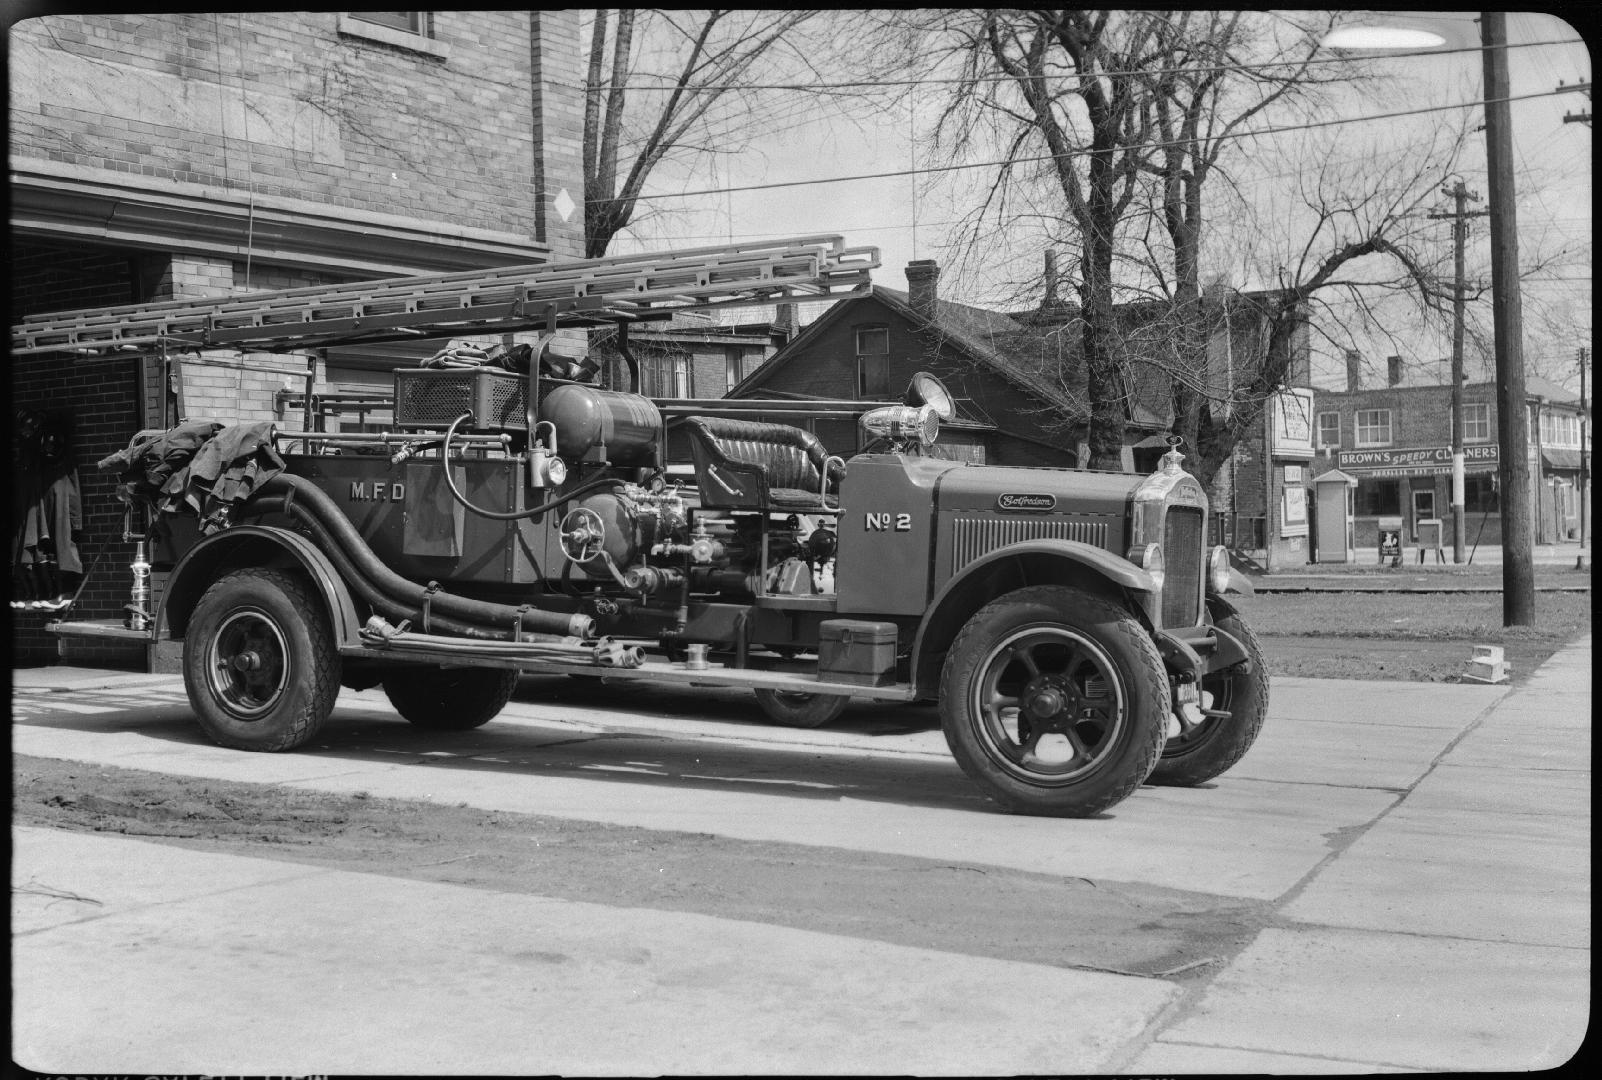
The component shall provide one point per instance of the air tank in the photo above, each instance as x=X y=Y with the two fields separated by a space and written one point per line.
x=626 y=425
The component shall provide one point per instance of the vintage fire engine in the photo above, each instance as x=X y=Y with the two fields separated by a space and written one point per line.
x=519 y=518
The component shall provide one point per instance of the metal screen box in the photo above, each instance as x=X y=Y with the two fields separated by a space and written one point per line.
x=435 y=398
x=852 y=651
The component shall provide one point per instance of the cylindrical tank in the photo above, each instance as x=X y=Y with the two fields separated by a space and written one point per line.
x=627 y=425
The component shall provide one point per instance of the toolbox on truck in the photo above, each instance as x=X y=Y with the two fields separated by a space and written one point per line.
x=855 y=651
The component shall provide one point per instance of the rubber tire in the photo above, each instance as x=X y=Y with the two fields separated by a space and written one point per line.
x=1131 y=750
x=1217 y=744
x=280 y=612
x=791 y=709
x=450 y=699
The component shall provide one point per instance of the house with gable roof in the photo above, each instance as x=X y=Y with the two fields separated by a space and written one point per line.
x=1018 y=385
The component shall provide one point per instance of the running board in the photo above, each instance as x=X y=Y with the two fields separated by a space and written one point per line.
x=677 y=672
x=89 y=629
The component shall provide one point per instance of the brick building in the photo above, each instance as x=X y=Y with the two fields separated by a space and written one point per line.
x=1395 y=441
x=177 y=156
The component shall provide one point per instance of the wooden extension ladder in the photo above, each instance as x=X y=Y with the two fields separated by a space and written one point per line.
x=547 y=296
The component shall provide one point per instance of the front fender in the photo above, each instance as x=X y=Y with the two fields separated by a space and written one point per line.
x=255 y=546
x=1031 y=562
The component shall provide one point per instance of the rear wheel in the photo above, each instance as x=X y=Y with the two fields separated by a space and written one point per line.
x=799 y=710
x=449 y=699
x=1054 y=701
x=1234 y=703
x=259 y=661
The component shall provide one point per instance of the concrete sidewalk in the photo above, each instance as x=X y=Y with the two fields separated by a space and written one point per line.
x=1450 y=932
x=1485 y=868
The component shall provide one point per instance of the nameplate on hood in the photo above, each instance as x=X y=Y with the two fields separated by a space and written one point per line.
x=1029 y=502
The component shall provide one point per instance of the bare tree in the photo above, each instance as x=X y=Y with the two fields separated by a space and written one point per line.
x=1058 y=92
x=661 y=83
x=1361 y=233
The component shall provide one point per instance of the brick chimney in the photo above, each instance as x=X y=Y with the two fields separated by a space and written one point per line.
x=785 y=321
x=1393 y=370
x=922 y=274
x=1354 y=370
x=1050 y=300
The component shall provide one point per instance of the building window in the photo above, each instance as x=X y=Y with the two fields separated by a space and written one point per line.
x=1560 y=430
x=1380 y=497
x=1479 y=493
x=1374 y=427
x=666 y=376
x=420 y=23
x=1476 y=423
x=413 y=30
x=733 y=360
x=1329 y=430
x=873 y=362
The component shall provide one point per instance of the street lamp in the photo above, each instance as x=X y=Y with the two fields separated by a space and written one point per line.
x=1513 y=423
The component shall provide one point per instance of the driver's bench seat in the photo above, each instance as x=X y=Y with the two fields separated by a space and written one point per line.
x=752 y=465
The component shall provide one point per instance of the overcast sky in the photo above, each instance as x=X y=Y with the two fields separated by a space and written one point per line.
x=1554 y=159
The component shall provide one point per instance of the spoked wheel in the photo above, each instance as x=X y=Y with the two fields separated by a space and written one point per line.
x=1234 y=704
x=449 y=699
x=1054 y=700
x=259 y=662
x=793 y=709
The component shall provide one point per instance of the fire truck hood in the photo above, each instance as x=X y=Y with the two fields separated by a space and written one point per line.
x=1037 y=491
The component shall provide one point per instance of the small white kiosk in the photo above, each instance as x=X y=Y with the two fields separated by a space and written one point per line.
x=1335 y=515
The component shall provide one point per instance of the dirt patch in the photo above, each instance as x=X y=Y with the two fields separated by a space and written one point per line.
x=976 y=910
x=1387 y=659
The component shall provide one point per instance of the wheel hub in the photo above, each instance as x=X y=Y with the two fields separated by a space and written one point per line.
x=1050 y=703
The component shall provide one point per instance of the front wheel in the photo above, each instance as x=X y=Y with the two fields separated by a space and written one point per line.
x=1234 y=703
x=801 y=710
x=1054 y=701
x=449 y=699
x=259 y=661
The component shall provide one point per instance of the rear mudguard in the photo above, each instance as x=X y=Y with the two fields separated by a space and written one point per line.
x=245 y=546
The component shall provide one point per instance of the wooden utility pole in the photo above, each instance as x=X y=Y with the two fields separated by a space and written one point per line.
x=1459 y=216
x=1512 y=413
x=1585 y=464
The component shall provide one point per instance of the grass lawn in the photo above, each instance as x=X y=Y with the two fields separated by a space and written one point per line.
x=1416 y=636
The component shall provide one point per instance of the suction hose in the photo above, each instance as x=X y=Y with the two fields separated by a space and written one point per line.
x=338 y=537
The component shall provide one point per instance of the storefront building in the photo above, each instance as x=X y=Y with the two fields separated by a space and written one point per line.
x=1396 y=443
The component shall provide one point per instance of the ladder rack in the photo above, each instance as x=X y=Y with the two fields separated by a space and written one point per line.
x=542 y=296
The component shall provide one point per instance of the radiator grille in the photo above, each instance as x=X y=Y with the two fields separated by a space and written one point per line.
x=972 y=537
x=1184 y=563
x=437 y=398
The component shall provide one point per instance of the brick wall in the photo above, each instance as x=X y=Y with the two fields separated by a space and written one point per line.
x=555 y=57
x=104 y=396
x=289 y=105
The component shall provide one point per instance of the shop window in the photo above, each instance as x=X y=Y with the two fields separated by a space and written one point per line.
x=1329 y=430
x=1374 y=427
x=1379 y=497
x=1476 y=423
x=1479 y=493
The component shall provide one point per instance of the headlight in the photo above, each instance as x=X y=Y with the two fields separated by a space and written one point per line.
x=1150 y=559
x=903 y=422
x=1218 y=571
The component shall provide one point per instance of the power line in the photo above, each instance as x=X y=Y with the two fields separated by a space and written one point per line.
x=929 y=170
x=869 y=84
